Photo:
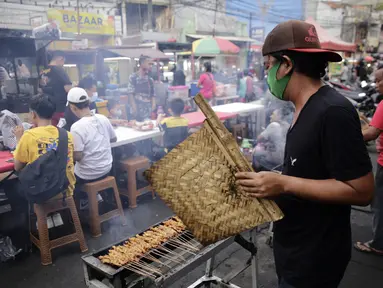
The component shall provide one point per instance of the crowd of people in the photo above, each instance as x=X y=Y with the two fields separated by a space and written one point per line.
x=326 y=167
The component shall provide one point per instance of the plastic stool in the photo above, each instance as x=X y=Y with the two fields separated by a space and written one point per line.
x=132 y=165
x=43 y=243
x=96 y=219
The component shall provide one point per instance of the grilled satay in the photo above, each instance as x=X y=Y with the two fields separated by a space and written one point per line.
x=139 y=245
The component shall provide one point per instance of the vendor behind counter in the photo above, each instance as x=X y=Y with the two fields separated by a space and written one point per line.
x=90 y=86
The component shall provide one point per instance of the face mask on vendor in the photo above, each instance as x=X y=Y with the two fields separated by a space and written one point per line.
x=92 y=94
x=60 y=61
x=118 y=112
x=146 y=66
x=94 y=97
x=278 y=76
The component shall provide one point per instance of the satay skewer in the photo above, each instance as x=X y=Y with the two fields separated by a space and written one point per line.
x=156 y=260
x=155 y=251
x=184 y=244
x=139 y=271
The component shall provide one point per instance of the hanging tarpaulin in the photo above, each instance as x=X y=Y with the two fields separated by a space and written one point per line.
x=214 y=46
x=45 y=34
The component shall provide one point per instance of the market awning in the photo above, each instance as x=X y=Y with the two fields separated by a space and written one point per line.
x=330 y=42
x=256 y=46
x=214 y=46
x=137 y=52
x=230 y=38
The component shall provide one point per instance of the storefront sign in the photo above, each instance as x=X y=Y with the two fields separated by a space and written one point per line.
x=81 y=44
x=89 y=23
x=258 y=33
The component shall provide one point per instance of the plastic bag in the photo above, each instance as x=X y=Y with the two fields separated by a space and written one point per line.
x=7 y=250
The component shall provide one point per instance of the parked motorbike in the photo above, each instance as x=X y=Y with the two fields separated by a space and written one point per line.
x=364 y=98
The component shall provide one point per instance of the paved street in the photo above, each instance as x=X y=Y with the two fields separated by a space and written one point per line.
x=364 y=271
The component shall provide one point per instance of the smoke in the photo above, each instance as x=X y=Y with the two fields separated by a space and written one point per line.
x=269 y=151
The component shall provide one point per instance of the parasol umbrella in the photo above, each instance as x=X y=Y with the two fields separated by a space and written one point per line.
x=214 y=46
x=368 y=58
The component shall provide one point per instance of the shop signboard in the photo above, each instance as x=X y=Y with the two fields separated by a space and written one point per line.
x=90 y=23
x=80 y=44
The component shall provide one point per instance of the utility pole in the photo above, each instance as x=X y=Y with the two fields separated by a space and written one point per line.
x=124 y=19
x=78 y=17
x=150 y=15
x=250 y=36
x=215 y=17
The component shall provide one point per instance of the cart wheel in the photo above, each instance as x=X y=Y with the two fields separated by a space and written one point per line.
x=269 y=241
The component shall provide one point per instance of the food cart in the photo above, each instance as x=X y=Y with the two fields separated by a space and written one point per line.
x=19 y=73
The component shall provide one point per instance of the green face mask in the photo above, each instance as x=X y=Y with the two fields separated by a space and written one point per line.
x=277 y=87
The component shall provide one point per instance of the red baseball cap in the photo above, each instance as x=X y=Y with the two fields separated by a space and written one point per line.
x=297 y=36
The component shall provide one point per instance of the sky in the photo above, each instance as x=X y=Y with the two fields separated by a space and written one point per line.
x=266 y=13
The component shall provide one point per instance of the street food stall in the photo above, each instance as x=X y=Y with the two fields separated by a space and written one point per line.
x=19 y=73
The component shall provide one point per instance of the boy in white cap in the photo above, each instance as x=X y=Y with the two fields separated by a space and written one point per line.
x=92 y=135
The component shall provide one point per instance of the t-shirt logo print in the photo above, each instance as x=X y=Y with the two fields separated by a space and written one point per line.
x=293 y=161
x=313 y=36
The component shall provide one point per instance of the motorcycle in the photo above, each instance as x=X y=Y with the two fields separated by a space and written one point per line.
x=364 y=98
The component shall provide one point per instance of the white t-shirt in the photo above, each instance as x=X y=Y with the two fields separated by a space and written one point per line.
x=91 y=136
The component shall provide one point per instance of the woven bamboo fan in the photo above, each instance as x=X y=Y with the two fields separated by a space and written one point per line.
x=196 y=179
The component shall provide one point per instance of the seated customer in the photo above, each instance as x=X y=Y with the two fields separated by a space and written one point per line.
x=44 y=137
x=116 y=110
x=270 y=149
x=90 y=86
x=92 y=135
x=175 y=127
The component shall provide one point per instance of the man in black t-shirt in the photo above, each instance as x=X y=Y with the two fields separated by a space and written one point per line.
x=56 y=84
x=90 y=86
x=326 y=164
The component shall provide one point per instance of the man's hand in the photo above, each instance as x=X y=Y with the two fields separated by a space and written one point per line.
x=160 y=117
x=260 y=185
x=18 y=131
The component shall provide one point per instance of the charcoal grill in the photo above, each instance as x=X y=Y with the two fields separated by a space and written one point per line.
x=168 y=263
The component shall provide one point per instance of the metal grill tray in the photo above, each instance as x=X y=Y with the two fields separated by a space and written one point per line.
x=92 y=260
x=95 y=270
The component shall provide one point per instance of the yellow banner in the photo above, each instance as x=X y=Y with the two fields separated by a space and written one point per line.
x=89 y=23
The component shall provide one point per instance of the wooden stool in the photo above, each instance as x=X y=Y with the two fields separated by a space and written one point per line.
x=132 y=165
x=95 y=218
x=239 y=130
x=43 y=243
